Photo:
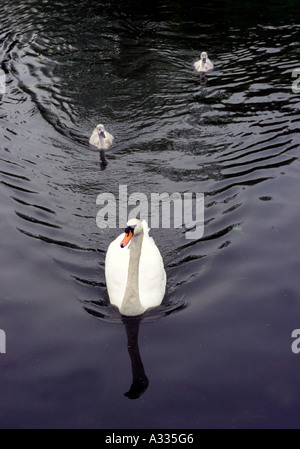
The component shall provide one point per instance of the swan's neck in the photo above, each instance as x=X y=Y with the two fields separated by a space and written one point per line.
x=102 y=144
x=131 y=304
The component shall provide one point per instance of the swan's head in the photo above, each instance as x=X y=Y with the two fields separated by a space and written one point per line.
x=203 y=56
x=100 y=130
x=134 y=227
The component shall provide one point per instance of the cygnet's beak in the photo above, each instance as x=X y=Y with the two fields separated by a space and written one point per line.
x=101 y=134
x=204 y=60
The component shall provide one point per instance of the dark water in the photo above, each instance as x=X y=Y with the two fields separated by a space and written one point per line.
x=217 y=353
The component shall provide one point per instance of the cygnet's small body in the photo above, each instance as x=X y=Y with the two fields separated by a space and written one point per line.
x=204 y=64
x=101 y=138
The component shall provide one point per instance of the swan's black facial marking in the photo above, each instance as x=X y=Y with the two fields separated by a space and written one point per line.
x=204 y=60
x=101 y=134
x=128 y=230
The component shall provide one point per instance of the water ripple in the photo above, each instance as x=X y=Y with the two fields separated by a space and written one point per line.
x=227 y=137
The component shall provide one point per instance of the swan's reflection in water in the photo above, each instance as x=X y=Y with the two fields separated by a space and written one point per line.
x=140 y=381
x=103 y=161
x=203 y=79
x=105 y=311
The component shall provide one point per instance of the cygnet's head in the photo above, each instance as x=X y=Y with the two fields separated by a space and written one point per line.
x=203 y=56
x=134 y=227
x=100 y=129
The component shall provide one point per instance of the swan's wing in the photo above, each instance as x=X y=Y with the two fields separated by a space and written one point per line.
x=116 y=270
x=197 y=65
x=152 y=275
x=108 y=139
x=94 y=139
x=209 y=64
x=145 y=228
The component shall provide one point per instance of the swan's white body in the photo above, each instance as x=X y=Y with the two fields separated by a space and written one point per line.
x=143 y=263
x=101 y=138
x=204 y=64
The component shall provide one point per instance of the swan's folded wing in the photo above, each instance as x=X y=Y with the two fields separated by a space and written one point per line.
x=94 y=139
x=109 y=139
x=116 y=270
x=145 y=228
x=152 y=275
x=209 y=64
x=197 y=65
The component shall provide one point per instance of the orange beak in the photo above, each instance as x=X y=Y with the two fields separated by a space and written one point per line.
x=126 y=239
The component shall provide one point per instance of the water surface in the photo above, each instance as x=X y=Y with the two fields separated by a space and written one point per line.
x=217 y=353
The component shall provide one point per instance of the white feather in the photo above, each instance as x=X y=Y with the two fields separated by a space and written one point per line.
x=116 y=270
x=102 y=143
x=152 y=275
x=202 y=66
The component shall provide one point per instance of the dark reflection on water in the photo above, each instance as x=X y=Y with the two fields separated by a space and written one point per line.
x=224 y=359
x=140 y=381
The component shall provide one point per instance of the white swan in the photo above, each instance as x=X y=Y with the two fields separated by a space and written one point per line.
x=135 y=274
x=204 y=64
x=101 y=138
